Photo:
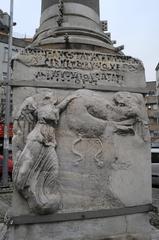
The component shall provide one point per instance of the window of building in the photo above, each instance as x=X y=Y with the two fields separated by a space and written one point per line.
x=151 y=133
x=156 y=133
x=151 y=93
x=155 y=157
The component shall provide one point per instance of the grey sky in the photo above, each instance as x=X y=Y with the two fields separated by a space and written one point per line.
x=133 y=23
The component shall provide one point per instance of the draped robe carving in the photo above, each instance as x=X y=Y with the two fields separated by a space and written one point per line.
x=37 y=167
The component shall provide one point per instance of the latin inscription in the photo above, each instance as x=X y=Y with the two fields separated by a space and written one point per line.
x=69 y=59
x=79 y=67
x=77 y=78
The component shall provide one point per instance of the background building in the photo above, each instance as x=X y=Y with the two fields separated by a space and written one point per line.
x=151 y=100
x=18 y=45
x=4 y=21
x=152 y=105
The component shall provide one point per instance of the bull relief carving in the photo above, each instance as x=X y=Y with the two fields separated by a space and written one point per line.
x=88 y=115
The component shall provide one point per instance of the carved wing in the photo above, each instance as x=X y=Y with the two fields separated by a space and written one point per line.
x=24 y=122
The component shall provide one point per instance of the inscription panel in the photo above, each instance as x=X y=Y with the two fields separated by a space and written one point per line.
x=79 y=78
x=79 y=68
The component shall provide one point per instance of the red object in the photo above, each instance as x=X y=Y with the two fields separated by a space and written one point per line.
x=2 y=130
x=10 y=165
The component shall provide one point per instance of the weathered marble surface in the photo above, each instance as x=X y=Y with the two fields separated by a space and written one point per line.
x=76 y=69
x=119 y=228
x=81 y=142
x=79 y=164
x=36 y=169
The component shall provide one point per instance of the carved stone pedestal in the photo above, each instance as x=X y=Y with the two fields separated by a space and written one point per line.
x=82 y=168
x=119 y=228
